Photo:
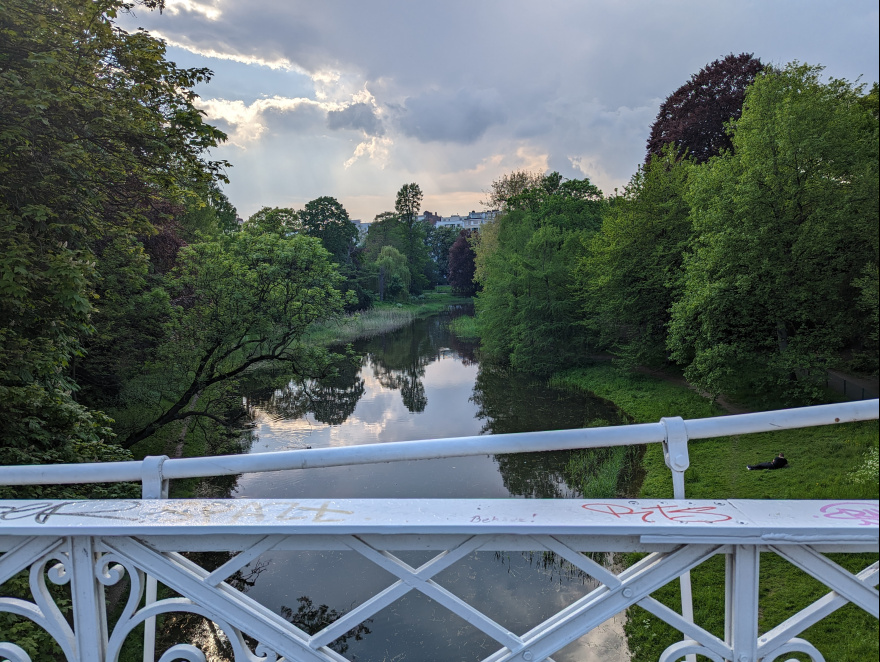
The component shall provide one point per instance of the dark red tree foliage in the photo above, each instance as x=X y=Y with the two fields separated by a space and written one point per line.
x=462 y=267
x=693 y=116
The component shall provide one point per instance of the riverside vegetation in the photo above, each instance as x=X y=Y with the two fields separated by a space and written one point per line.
x=132 y=301
x=744 y=255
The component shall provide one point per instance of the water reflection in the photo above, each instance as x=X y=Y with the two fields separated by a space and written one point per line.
x=419 y=382
x=514 y=402
x=330 y=399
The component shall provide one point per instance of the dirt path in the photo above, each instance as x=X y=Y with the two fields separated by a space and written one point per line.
x=852 y=386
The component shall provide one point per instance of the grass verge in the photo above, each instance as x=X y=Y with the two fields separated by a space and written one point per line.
x=384 y=317
x=829 y=462
x=465 y=327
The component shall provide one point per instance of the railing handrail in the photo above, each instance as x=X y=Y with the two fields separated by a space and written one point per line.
x=521 y=442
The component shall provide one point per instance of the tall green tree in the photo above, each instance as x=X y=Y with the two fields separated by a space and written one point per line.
x=392 y=274
x=407 y=205
x=509 y=186
x=239 y=301
x=785 y=228
x=385 y=230
x=633 y=269
x=439 y=241
x=96 y=129
x=326 y=219
x=528 y=314
x=283 y=221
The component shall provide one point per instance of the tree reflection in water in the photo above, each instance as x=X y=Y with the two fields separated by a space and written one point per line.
x=513 y=402
x=399 y=359
x=214 y=643
x=331 y=399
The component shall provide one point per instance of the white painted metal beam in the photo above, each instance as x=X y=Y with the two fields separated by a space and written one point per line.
x=369 y=527
x=159 y=471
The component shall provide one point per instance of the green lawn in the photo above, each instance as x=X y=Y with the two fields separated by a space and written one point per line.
x=825 y=463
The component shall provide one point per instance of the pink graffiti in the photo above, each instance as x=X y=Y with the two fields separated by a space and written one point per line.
x=865 y=514
x=658 y=513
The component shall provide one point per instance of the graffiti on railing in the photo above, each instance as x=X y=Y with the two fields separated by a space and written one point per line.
x=866 y=515
x=660 y=512
x=43 y=510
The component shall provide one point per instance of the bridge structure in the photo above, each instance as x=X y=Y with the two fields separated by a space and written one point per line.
x=91 y=545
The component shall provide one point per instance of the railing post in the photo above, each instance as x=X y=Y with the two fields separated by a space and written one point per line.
x=154 y=485
x=741 y=603
x=675 y=453
x=89 y=609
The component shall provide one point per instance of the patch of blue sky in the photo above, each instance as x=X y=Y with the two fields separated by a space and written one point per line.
x=243 y=81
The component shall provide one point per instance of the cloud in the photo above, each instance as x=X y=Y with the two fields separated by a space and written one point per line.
x=248 y=122
x=217 y=52
x=460 y=117
x=376 y=149
x=208 y=8
x=358 y=116
x=354 y=99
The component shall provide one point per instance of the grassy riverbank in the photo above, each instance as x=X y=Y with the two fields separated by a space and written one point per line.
x=383 y=317
x=465 y=327
x=831 y=462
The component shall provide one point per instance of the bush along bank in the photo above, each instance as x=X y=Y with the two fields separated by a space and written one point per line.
x=830 y=462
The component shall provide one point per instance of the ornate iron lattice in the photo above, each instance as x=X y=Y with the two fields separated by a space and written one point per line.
x=92 y=545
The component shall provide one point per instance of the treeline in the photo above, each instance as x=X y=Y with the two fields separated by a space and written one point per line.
x=401 y=256
x=744 y=250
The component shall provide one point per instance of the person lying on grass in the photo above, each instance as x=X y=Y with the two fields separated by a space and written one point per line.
x=776 y=463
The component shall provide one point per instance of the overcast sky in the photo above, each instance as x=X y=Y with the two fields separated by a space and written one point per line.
x=353 y=99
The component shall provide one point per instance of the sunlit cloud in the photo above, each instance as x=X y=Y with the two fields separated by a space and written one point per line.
x=249 y=120
x=529 y=157
x=278 y=63
x=207 y=8
x=355 y=99
x=376 y=149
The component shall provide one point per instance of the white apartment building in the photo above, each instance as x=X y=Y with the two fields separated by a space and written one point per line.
x=472 y=221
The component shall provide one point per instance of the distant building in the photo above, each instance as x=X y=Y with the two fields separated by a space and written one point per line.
x=454 y=221
x=429 y=217
x=476 y=218
x=472 y=221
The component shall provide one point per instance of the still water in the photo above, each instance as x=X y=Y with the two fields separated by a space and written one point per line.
x=419 y=382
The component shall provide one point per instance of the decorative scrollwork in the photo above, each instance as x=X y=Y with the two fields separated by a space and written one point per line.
x=186 y=652
x=110 y=569
x=687 y=647
x=795 y=645
x=266 y=654
x=51 y=619
x=43 y=611
x=57 y=574
x=13 y=653
x=236 y=639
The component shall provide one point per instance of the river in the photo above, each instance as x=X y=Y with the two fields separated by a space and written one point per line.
x=420 y=382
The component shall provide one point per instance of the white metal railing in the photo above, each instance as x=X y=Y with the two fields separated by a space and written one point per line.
x=673 y=433
x=92 y=544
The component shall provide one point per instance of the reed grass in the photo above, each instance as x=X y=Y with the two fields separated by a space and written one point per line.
x=382 y=317
x=361 y=325
x=465 y=327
